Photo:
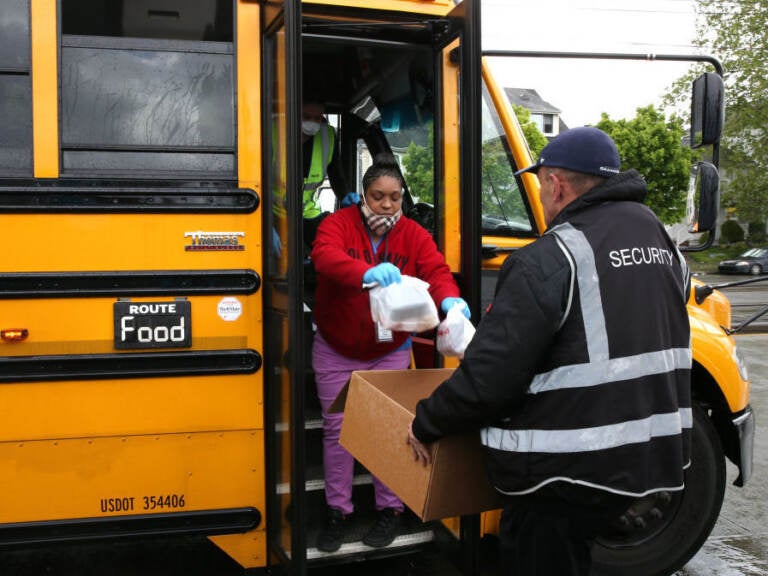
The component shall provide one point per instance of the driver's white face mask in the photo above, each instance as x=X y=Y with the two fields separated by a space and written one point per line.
x=310 y=128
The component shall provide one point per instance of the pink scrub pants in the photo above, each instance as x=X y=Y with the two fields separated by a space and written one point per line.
x=332 y=372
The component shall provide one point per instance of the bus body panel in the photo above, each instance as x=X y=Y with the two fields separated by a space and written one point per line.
x=131 y=406
x=93 y=477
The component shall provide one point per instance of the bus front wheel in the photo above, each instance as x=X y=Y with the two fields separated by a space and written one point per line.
x=662 y=532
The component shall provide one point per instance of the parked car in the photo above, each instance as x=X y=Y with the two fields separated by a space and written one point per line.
x=754 y=261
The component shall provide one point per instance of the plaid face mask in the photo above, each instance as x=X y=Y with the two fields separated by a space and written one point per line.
x=379 y=224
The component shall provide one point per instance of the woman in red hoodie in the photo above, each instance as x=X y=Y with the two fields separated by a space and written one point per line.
x=371 y=242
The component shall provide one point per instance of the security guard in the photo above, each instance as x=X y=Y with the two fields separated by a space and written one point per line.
x=578 y=377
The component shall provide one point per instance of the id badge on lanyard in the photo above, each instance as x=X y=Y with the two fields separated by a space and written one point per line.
x=383 y=334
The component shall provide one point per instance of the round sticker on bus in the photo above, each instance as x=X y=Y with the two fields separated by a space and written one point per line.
x=230 y=309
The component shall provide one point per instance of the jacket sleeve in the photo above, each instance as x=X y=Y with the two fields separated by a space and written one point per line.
x=329 y=251
x=432 y=267
x=510 y=344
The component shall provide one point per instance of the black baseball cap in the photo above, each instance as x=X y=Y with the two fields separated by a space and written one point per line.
x=585 y=149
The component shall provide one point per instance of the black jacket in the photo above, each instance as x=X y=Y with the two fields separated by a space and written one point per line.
x=580 y=370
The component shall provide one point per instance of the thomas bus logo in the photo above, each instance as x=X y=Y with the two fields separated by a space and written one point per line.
x=214 y=241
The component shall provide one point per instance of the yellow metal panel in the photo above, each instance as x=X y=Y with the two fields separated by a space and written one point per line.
x=714 y=350
x=45 y=89
x=85 y=325
x=279 y=129
x=451 y=149
x=92 y=242
x=506 y=244
x=489 y=522
x=98 y=408
x=453 y=525
x=249 y=129
x=249 y=549
x=450 y=362
x=717 y=304
x=249 y=95
x=432 y=7
x=101 y=477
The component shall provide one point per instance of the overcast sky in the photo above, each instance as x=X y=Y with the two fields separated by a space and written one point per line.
x=584 y=89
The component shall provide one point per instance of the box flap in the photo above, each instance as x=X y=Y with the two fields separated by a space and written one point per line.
x=406 y=387
x=341 y=400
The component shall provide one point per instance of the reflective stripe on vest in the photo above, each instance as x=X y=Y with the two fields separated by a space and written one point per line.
x=322 y=149
x=588 y=439
x=600 y=370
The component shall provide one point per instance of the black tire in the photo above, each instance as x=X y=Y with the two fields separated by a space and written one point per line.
x=670 y=527
x=755 y=269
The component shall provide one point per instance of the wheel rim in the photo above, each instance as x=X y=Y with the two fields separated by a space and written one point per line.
x=755 y=269
x=643 y=521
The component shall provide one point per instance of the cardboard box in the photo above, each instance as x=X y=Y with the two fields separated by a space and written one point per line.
x=378 y=405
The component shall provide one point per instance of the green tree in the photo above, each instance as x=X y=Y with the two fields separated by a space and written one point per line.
x=536 y=140
x=500 y=196
x=418 y=162
x=502 y=203
x=651 y=144
x=737 y=33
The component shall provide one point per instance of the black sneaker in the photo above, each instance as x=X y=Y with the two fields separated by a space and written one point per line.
x=385 y=530
x=329 y=539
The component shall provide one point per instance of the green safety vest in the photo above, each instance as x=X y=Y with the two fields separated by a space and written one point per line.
x=322 y=150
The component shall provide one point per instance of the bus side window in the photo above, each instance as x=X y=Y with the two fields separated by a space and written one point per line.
x=143 y=95
x=15 y=89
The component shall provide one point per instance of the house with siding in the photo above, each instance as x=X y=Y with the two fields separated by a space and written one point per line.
x=543 y=114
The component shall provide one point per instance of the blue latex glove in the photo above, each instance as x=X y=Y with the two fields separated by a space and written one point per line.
x=383 y=274
x=350 y=199
x=277 y=244
x=448 y=303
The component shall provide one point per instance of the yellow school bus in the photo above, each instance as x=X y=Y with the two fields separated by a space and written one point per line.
x=154 y=343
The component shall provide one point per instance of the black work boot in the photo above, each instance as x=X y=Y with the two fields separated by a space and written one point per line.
x=385 y=530
x=329 y=539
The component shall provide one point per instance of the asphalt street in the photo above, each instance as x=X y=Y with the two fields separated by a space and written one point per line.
x=738 y=545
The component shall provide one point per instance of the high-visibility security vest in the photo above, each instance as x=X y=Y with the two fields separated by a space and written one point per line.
x=604 y=414
x=322 y=150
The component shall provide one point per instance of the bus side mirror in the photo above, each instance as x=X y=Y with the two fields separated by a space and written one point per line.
x=703 y=200
x=707 y=109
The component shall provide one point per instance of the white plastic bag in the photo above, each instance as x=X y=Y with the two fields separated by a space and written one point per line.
x=454 y=333
x=404 y=306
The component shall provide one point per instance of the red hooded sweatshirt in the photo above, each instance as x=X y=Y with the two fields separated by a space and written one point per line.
x=342 y=252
